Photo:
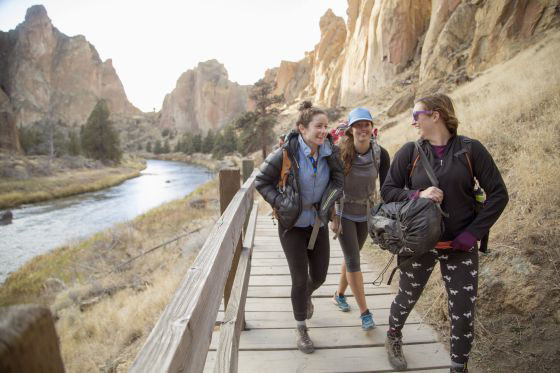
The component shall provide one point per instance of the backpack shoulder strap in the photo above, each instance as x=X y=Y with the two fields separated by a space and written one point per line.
x=413 y=162
x=466 y=149
x=286 y=165
x=376 y=150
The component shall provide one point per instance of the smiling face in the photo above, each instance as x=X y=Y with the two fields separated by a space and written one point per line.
x=315 y=133
x=424 y=122
x=361 y=131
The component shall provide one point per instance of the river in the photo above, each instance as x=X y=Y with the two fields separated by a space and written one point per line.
x=40 y=227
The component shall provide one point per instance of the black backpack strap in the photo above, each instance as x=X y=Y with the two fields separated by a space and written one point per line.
x=430 y=172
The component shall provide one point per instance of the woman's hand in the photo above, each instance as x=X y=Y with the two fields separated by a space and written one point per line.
x=335 y=226
x=433 y=193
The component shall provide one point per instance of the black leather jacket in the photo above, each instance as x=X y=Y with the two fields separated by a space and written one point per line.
x=287 y=203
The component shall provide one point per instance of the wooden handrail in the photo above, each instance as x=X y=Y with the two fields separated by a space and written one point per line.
x=234 y=318
x=181 y=337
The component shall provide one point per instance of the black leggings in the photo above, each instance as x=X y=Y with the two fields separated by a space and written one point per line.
x=460 y=273
x=352 y=240
x=308 y=268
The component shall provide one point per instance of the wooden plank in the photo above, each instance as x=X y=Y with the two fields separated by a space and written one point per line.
x=283 y=270
x=286 y=280
x=323 y=291
x=180 y=339
x=280 y=255
x=229 y=179
x=285 y=304
x=430 y=356
x=28 y=340
x=329 y=317
x=349 y=337
x=264 y=262
x=233 y=322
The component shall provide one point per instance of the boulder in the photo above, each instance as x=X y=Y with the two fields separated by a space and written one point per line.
x=404 y=102
x=6 y=217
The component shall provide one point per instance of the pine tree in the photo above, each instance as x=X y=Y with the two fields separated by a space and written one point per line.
x=149 y=147
x=166 y=148
x=100 y=140
x=157 y=147
x=208 y=142
x=197 y=143
x=73 y=143
x=257 y=126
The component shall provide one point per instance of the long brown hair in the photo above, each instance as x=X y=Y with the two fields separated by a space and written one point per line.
x=347 y=150
x=444 y=106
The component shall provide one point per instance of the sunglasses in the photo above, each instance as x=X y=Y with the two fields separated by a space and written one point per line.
x=416 y=114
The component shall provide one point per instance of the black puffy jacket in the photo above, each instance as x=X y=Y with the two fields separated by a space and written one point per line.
x=287 y=203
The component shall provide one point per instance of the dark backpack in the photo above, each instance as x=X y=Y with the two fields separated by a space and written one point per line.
x=479 y=195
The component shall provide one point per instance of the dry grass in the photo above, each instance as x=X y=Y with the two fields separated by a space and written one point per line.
x=514 y=110
x=65 y=183
x=105 y=311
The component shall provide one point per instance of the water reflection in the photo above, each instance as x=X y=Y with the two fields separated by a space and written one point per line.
x=37 y=228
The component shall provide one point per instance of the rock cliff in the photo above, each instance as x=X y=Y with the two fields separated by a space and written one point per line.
x=203 y=99
x=428 y=43
x=44 y=72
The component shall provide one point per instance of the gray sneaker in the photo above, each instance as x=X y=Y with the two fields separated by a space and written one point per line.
x=393 y=345
x=310 y=309
x=303 y=341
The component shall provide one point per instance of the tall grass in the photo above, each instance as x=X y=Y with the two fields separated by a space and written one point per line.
x=105 y=310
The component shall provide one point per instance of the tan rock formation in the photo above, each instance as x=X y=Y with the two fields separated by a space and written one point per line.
x=326 y=62
x=466 y=37
x=49 y=72
x=382 y=39
x=203 y=99
x=291 y=78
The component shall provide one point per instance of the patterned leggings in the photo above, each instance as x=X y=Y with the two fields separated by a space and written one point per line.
x=460 y=273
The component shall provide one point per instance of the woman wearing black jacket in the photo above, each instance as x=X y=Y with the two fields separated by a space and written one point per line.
x=455 y=160
x=311 y=179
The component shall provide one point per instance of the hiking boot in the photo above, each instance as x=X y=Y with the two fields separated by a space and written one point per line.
x=303 y=341
x=367 y=320
x=393 y=345
x=459 y=370
x=310 y=309
x=340 y=301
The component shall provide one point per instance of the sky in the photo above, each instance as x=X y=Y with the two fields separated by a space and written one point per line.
x=152 y=43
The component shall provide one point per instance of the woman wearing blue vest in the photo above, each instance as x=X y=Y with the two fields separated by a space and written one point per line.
x=364 y=162
x=301 y=181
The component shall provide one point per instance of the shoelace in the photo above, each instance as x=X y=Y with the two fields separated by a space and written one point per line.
x=304 y=336
x=396 y=345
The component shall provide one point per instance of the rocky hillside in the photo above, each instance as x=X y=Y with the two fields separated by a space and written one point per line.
x=203 y=99
x=423 y=43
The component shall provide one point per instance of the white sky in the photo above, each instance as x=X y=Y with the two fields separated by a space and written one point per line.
x=152 y=43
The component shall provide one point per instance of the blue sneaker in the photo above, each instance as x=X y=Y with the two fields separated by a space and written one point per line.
x=367 y=321
x=340 y=301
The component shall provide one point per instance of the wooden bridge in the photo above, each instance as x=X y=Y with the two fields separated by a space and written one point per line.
x=242 y=265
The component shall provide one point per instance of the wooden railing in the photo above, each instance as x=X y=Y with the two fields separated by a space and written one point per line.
x=180 y=340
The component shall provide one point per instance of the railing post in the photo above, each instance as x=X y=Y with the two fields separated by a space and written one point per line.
x=229 y=185
x=248 y=166
x=28 y=340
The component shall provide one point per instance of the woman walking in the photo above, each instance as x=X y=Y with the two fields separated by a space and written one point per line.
x=364 y=162
x=456 y=161
x=301 y=181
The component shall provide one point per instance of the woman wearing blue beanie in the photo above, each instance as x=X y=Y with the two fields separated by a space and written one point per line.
x=364 y=162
